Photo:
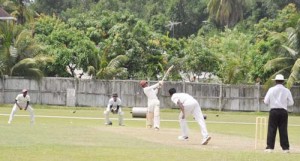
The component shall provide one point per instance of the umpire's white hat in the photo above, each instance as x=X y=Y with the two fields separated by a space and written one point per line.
x=279 y=77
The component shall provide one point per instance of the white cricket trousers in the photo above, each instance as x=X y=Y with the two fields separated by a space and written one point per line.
x=195 y=110
x=16 y=108
x=120 y=113
x=154 y=108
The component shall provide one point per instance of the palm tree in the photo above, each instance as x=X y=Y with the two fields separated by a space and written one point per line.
x=287 y=63
x=20 y=54
x=7 y=51
x=226 y=12
x=30 y=59
x=113 y=68
x=30 y=67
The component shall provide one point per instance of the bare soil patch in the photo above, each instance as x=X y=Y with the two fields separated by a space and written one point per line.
x=169 y=137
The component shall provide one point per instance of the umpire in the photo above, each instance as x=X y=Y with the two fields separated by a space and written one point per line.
x=278 y=98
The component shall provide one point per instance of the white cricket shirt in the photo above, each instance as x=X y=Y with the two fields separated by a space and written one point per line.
x=114 y=103
x=279 y=97
x=184 y=98
x=21 y=100
x=151 y=91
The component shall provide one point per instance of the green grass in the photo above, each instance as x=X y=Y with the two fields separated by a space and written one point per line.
x=71 y=139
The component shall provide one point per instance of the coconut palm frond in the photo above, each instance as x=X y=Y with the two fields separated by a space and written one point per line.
x=34 y=73
x=43 y=60
x=35 y=49
x=25 y=34
x=110 y=73
x=270 y=82
x=290 y=30
x=99 y=74
x=26 y=44
x=294 y=76
x=118 y=61
x=278 y=36
x=277 y=63
x=290 y=50
x=29 y=67
x=113 y=68
x=293 y=39
x=106 y=73
x=23 y=64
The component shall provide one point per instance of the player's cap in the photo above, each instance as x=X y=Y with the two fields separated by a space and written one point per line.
x=115 y=95
x=24 y=90
x=143 y=83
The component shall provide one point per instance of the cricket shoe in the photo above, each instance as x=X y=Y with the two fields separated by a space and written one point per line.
x=183 y=138
x=108 y=123
x=269 y=150
x=205 y=140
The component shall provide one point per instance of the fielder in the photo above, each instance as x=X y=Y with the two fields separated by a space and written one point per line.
x=114 y=106
x=188 y=105
x=22 y=102
x=153 y=116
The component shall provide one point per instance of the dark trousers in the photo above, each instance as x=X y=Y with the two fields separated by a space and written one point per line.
x=278 y=118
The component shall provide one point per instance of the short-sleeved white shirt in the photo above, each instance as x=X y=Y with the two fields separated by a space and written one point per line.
x=114 y=103
x=184 y=98
x=22 y=101
x=279 y=97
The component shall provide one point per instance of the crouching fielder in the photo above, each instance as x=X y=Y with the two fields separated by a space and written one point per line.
x=22 y=102
x=114 y=106
x=153 y=116
x=188 y=105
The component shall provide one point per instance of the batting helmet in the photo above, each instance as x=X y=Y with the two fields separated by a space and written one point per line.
x=143 y=83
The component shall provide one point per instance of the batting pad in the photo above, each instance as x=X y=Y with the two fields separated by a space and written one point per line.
x=149 y=119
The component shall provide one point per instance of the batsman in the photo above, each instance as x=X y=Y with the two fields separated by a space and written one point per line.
x=114 y=106
x=153 y=116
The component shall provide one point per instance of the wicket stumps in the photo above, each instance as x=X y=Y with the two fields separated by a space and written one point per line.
x=260 y=131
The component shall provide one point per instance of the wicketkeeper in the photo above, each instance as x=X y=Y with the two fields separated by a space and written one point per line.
x=114 y=106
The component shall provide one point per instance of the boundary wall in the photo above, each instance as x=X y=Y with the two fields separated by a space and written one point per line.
x=96 y=93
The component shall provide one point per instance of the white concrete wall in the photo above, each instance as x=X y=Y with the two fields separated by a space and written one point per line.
x=54 y=91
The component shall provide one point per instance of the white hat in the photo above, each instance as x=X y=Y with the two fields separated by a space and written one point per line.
x=279 y=77
x=24 y=90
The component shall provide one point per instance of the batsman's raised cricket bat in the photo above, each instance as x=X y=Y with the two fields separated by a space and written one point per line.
x=167 y=72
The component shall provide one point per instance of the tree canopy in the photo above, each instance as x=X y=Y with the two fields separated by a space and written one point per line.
x=233 y=41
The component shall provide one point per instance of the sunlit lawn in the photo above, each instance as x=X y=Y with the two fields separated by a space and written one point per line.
x=84 y=137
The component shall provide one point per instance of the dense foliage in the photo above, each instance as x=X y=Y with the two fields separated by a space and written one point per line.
x=233 y=41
